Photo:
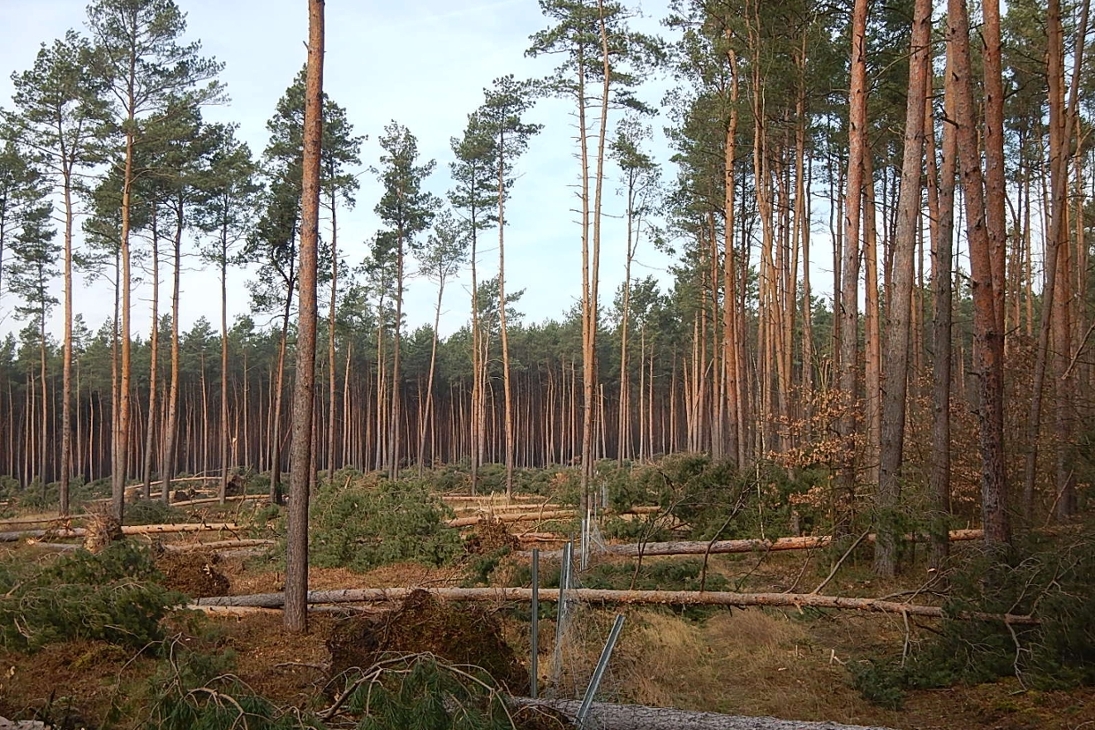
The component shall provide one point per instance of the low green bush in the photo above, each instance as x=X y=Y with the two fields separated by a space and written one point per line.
x=363 y=526
x=1051 y=577
x=420 y=692
x=111 y=596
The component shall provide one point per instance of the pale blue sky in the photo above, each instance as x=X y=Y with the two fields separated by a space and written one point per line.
x=423 y=63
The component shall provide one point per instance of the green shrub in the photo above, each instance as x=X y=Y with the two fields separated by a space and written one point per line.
x=221 y=708
x=1050 y=577
x=35 y=497
x=363 y=526
x=109 y=597
x=881 y=683
x=662 y=575
x=421 y=692
x=152 y=512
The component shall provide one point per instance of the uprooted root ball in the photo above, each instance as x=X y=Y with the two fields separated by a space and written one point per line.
x=457 y=633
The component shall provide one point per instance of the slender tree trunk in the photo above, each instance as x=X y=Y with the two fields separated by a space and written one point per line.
x=942 y=296
x=587 y=295
x=66 y=357
x=734 y=356
x=898 y=329
x=394 y=415
x=296 y=561
x=331 y=379
x=623 y=421
x=172 y=424
x=987 y=336
x=872 y=374
x=222 y=492
x=504 y=331
x=429 y=409
x=118 y=479
x=849 y=301
x=276 y=494
x=476 y=366
x=154 y=362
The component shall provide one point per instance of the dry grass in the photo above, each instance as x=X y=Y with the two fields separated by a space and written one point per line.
x=748 y=662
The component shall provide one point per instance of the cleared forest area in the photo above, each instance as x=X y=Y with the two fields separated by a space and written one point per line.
x=868 y=504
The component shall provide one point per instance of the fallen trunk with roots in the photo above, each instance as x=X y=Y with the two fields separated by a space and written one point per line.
x=595 y=595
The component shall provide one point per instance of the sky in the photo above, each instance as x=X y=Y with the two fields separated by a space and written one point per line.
x=423 y=63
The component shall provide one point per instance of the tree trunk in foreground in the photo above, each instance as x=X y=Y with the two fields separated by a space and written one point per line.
x=296 y=560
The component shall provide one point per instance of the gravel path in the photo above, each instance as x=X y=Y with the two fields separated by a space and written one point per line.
x=607 y=716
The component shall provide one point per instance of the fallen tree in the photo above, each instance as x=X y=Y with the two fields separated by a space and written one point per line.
x=641 y=717
x=214 y=500
x=724 y=547
x=518 y=517
x=219 y=544
x=67 y=532
x=596 y=595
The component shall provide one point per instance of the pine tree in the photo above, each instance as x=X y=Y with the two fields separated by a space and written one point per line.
x=473 y=196
x=501 y=116
x=144 y=66
x=602 y=62
x=225 y=213
x=406 y=210
x=31 y=270
x=61 y=119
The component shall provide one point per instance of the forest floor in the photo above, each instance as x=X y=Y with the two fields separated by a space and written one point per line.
x=795 y=665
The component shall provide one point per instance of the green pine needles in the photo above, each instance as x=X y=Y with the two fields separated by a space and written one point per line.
x=364 y=526
x=110 y=596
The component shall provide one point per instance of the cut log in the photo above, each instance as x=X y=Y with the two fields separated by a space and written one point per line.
x=214 y=500
x=54 y=520
x=180 y=527
x=725 y=547
x=234 y=610
x=640 y=717
x=596 y=595
x=504 y=509
x=217 y=544
x=519 y=517
x=492 y=498
x=126 y=530
x=541 y=537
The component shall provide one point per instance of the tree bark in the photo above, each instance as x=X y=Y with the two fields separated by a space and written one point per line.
x=899 y=326
x=171 y=424
x=296 y=559
x=943 y=316
x=849 y=291
x=154 y=363
x=987 y=337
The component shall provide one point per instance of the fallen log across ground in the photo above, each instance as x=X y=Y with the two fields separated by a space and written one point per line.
x=518 y=517
x=597 y=595
x=55 y=521
x=217 y=545
x=641 y=717
x=126 y=530
x=508 y=508
x=724 y=547
x=214 y=500
x=493 y=497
